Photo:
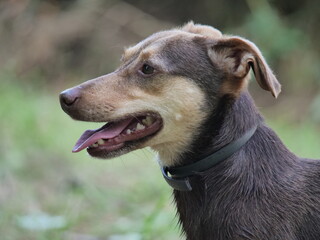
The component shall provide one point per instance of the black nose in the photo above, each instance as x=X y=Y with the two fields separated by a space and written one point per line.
x=69 y=97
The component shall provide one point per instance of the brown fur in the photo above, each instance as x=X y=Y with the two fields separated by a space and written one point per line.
x=199 y=88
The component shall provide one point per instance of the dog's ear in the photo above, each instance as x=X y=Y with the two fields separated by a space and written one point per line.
x=203 y=30
x=236 y=55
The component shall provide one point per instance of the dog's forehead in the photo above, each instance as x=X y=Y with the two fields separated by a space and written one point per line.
x=157 y=41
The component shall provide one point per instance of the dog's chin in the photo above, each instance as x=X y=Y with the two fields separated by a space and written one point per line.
x=105 y=153
x=102 y=152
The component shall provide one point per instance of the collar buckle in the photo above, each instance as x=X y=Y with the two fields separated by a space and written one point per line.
x=180 y=184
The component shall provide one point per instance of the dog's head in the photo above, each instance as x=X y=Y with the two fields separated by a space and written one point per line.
x=163 y=91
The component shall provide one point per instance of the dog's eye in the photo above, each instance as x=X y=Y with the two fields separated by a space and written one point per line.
x=147 y=69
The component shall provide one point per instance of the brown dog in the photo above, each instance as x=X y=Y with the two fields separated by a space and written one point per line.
x=183 y=92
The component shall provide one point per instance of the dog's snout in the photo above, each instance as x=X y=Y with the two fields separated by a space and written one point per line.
x=69 y=97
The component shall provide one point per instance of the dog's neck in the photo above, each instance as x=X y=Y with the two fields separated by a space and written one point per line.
x=217 y=185
x=232 y=118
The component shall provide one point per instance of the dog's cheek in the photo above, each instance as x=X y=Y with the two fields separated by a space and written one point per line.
x=181 y=105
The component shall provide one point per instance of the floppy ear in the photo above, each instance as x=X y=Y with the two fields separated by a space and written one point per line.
x=203 y=30
x=236 y=55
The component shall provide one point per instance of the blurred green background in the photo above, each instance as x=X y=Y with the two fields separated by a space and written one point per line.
x=46 y=192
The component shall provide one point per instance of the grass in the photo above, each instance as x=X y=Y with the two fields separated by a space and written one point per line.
x=124 y=198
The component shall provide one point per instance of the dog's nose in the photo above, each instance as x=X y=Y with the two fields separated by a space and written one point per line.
x=69 y=97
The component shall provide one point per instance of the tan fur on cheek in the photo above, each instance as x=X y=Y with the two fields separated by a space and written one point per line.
x=181 y=113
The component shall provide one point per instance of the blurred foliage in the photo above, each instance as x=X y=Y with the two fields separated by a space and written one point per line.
x=49 y=45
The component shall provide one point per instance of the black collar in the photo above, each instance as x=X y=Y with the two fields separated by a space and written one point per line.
x=179 y=178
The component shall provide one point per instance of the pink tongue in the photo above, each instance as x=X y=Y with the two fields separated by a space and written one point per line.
x=91 y=136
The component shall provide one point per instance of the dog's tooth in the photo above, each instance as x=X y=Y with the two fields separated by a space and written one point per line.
x=128 y=131
x=149 y=120
x=101 y=141
x=146 y=122
x=140 y=126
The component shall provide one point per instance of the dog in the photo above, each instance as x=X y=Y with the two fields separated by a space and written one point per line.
x=183 y=92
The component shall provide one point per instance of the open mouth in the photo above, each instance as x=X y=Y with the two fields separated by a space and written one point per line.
x=117 y=135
